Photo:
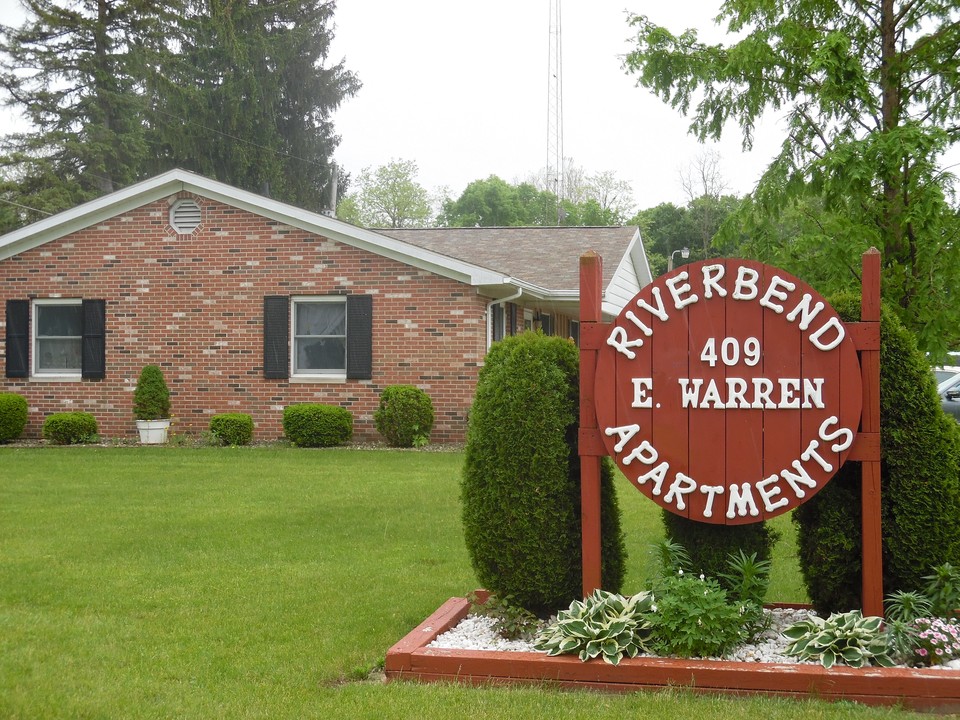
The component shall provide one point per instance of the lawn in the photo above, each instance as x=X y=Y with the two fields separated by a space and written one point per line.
x=263 y=583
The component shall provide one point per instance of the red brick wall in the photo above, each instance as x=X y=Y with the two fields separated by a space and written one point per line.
x=193 y=304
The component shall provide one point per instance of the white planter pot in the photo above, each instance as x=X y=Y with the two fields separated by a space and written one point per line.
x=153 y=432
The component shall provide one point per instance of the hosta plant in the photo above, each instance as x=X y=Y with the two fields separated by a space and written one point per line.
x=848 y=638
x=603 y=625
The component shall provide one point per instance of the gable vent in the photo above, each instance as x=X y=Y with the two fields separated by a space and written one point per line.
x=185 y=216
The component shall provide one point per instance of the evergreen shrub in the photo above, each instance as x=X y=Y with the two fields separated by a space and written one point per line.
x=232 y=428
x=13 y=416
x=521 y=481
x=151 y=397
x=317 y=425
x=920 y=489
x=70 y=428
x=404 y=416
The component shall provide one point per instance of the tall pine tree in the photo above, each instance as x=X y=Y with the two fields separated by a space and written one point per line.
x=247 y=97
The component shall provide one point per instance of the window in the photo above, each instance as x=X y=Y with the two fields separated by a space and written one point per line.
x=57 y=337
x=319 y=336
x=50 y=338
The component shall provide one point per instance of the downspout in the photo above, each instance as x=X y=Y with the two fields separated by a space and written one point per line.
x=490 y=313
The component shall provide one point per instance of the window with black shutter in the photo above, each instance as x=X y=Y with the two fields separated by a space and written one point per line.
x=56 y=337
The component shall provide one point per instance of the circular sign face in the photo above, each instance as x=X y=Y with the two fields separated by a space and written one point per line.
x=728 y=391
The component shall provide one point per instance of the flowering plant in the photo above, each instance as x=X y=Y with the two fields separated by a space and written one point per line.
x=937 y=641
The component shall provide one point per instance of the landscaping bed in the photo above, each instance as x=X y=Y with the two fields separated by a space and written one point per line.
x=917 y=688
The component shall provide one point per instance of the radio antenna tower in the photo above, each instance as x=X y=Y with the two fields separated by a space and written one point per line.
x=555 y=109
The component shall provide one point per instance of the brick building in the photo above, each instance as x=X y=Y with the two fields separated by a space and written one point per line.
x=250 y=305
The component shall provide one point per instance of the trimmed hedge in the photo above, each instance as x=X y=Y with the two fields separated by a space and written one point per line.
x=70 y=428
x=13 y=416
x=521 y=481
x=151 y=397
x=405 y=416
x=920 y=484
x=232 y=428
x=317 y=425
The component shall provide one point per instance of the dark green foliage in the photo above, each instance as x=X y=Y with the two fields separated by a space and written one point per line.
x=316 y=425
x=521 y=481
x=70 y=428
x=405 y=416
x=13 y=416
x=920 y=491
x=710 y=546
x=232 y=428
x=151 y=398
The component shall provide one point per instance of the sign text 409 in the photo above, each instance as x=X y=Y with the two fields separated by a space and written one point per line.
x=730 y=351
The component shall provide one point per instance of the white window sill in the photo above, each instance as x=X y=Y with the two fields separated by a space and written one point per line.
x=55 y=378
x=318 y=378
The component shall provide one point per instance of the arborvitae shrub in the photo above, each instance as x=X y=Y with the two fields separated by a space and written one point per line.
x=151 y=397
x=920 y=489
x=316 y=425
x=709 y=545
x=70 y=428
x=232 y=428
x=404 y=416
x=13 y=416
x=521 y=480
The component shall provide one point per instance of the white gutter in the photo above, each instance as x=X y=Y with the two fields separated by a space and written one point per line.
x=490 y=311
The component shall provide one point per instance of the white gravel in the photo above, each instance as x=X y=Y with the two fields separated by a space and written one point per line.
x=475 y=632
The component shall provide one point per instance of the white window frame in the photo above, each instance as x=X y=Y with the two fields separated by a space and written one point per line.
x=35 y=370
x=316 y=375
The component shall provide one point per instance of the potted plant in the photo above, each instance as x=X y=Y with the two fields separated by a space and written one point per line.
x=151 y=406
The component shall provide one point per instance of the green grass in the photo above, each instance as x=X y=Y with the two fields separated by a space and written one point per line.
x=259 y=583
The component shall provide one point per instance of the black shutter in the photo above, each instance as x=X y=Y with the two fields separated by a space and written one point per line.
x=18 y=338
x=359 y=337
x=93 y=359
x=276 y=337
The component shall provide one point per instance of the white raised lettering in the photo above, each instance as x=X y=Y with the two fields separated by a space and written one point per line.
x=768 y=490
x=631 y=316
x=813 y=393
x=762 y=387
x=677 y=291
x=811 y=452
x=804 y=312
x=788 y=400
x=657 y=311
x=619 y=339
x=710 y=491
x=802 y=477
x=690 y=395
x=659 y=473
x=712 y=274
x=736 y=390
x=834 y=324
x=624 y=432
x=746 y=286
x=712 y=395
x=741 y=501
x=641 y=390
x=644 y=452
x=774 y=292
x=843 y=432
x=681 y=485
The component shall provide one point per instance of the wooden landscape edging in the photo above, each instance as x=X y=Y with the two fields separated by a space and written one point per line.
x=411 y=659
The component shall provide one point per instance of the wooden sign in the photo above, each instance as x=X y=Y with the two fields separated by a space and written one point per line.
x=728 y=391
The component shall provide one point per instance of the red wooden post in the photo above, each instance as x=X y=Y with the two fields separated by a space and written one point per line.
x=591 y=294
x=870 y=423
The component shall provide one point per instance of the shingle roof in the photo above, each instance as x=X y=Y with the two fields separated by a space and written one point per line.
x=547 y=257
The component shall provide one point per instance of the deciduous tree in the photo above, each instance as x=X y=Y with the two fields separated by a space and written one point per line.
x=869 y=94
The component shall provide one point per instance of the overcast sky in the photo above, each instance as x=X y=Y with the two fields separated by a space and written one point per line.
x=461 y=89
